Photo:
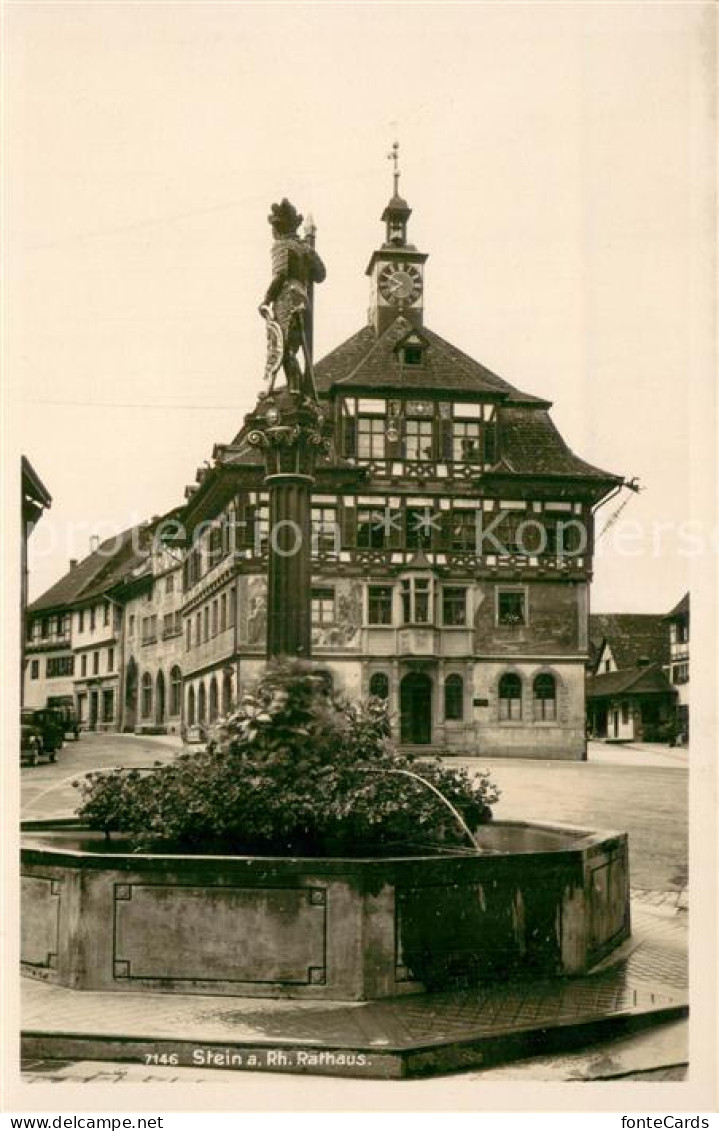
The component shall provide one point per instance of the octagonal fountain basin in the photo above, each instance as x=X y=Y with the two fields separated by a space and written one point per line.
x=533 y=900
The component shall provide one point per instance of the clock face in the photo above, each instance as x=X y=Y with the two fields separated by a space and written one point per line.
x=400 y=283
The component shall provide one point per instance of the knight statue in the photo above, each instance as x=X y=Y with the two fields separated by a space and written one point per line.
x=287 y=306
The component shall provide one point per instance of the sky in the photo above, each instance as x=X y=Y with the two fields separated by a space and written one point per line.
x=558 y=161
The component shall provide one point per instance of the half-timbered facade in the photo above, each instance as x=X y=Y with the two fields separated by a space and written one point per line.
x=452 y=541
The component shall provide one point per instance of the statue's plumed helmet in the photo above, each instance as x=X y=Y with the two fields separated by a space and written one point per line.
x=284 y=218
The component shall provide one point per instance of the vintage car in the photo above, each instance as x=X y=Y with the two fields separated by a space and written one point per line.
x=31 y=744
x=51 y=731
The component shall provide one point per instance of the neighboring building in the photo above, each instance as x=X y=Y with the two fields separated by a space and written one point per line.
x=35 y=501
x=621 y=641
x=152 y=651
x=50 y=663
x=678 y=666
x=629 y=698
x=439 y=577
x=74 y=635
x=107 y=636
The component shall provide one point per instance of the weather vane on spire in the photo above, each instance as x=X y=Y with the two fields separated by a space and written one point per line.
x=394 y=158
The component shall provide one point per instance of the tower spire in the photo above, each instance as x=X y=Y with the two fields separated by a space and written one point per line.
x=396 y=268
x=394 y=158
x=397 y=212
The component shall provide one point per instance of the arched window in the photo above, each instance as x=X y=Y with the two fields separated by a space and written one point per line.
x=131 y=683
x=202 y=704
x=214 y=708
x=379 y=685
x=191 y=707
x=328 y=683
x=146 y=695
x=510 y=696
x=175 y=690
x=226 y=693
x=545 y=697
x=454 y=697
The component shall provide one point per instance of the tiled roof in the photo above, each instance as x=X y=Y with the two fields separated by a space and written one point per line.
x=631 y=637
x=531 y=444
x=365 y=361
x=680 y=610
x=94 y=574
x=636 y=681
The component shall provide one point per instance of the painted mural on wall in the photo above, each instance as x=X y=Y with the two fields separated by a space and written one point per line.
x=253 y=615
x=344 y=631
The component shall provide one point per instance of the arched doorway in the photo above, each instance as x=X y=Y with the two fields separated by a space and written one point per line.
x=175 y=690
x=226 y=693
x=147 y=696
x=160 y=699
x=130 y=695
x=191 y=707
x=202 y=704
x=416 y=709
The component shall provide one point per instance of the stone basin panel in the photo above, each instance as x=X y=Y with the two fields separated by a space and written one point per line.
x=337 y=929
x=275 y=936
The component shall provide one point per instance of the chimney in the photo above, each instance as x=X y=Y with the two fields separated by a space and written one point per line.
x=94 y=542
x=73 y=563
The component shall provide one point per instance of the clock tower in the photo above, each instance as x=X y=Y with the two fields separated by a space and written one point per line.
x=396 y=270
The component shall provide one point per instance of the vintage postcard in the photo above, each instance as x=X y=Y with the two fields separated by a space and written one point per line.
x=360 y=665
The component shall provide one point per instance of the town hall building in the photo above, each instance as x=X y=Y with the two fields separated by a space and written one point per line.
x=452 y=551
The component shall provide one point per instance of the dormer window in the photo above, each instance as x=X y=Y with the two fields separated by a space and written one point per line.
x=411 y=350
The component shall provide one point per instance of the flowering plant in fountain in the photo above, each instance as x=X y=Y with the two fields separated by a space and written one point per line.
x=294 y=769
